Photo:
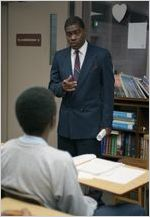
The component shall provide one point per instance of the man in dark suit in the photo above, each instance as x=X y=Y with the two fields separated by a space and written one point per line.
x=82 y=75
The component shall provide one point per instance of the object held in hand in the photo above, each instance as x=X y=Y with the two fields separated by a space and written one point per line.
x=101 y=135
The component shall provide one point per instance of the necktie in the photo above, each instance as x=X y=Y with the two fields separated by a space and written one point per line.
x=76 y=66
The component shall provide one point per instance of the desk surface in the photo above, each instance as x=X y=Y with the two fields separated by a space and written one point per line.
x=116 y=188
x=12 y=204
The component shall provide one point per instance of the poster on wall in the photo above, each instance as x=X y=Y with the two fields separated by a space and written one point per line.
x=137 y=35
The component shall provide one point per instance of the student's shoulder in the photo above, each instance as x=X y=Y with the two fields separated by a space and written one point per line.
x=59 y=154
x=10 y=142
x=8 y=145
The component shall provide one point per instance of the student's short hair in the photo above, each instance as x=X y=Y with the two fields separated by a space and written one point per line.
x=35 y=110
x=74 y=20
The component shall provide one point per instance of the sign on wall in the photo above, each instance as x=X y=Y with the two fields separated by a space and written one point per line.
x=28 y=39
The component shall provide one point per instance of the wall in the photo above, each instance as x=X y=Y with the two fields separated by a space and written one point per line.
x=105 y=31
x=4 y=69
x=28 y=66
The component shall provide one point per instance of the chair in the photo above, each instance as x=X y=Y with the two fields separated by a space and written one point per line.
x=137 y=195
x=13 y=193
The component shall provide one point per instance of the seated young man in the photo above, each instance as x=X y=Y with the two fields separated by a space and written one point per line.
x=31 y=166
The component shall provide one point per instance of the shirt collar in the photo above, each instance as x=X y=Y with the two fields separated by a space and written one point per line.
x=32 y=139
x=82 y=49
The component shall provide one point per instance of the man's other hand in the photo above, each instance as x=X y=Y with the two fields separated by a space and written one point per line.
x=69 y=84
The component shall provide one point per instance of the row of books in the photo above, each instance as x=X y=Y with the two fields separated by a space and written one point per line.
x=124 y=144
x=124 y=120
x=144 y=152
x=118 y=144
x=131 y=86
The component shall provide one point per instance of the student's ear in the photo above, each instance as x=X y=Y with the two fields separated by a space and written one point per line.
x=85 y=32
x=53 y=122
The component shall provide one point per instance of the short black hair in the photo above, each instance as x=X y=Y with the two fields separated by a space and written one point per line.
x=74 y=20
x=35 y=110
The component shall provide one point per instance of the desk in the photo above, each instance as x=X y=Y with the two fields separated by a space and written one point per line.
x=116 y=188
x=12 y=204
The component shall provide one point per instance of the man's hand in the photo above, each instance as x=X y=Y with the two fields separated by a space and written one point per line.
x=69 y=84
x=108 y=131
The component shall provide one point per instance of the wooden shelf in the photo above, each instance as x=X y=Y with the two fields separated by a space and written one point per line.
x=140 y=102
x=141 y=109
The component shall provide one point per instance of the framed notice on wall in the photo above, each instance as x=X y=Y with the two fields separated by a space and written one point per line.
x=28 y=39
x=137 y=35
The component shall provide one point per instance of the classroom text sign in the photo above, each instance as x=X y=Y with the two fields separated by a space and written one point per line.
x=28 y=39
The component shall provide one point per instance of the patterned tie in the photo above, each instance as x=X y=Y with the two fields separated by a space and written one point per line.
x=76 y=66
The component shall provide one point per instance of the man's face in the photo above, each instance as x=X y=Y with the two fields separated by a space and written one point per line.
x=75 y=36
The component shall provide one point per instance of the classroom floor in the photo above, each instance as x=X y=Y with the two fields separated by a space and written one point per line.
x=108 y=200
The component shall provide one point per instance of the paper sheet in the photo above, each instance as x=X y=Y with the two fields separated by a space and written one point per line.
x=83 y=158
x=97 y=166
x=121 y=175
x=137 y=35
x=105 y=170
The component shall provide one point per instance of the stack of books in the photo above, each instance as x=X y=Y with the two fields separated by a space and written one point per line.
x=144 y=84
x=121 y=142
x=123 y=120
x=130 y=86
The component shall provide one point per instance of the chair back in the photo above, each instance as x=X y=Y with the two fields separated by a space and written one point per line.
x=13 y=193
x=136 y=162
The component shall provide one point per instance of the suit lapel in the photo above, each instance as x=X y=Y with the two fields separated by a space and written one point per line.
x=67 y=68
x=87 y=64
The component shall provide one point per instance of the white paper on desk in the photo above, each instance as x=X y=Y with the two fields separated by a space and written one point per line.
x=83 y=175
x=97 y=166
x=83 y=158
x=121 y=175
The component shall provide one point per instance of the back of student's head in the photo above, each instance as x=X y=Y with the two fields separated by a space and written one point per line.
x=35 y=110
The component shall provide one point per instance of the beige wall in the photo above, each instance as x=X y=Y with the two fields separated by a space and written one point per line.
x=28 y=66
x=4 y=70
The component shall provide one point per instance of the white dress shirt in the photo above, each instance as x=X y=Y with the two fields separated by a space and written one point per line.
x=82 y=53
x=31 y=166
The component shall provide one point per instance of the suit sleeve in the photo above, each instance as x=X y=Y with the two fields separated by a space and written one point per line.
x=108 y=91
x=55 y=84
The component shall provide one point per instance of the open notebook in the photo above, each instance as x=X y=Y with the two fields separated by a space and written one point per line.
x=95 y=165
x=83 y=158
x=88 y=167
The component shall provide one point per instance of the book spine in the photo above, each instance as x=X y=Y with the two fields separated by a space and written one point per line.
x=118 y=146
x=145 y=147
x=132 y=146
x=126 y=144
x=140 y=89
x=124 y=85
x=123 y=126
x=121 y=114
x=124 y=121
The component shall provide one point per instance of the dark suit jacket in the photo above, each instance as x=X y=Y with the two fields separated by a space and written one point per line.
x=90 y=107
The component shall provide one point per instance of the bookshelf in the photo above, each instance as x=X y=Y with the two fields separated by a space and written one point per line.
x=138 y=145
